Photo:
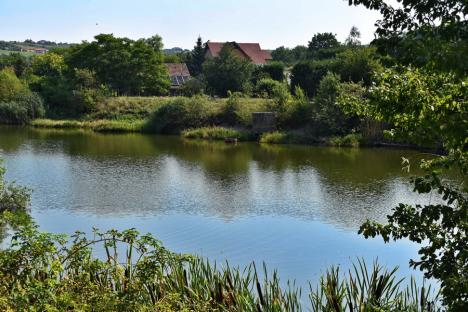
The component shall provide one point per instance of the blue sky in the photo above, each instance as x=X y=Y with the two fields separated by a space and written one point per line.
x=271 y=22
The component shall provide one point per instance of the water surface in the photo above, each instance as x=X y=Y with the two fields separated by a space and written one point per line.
x=298 y=208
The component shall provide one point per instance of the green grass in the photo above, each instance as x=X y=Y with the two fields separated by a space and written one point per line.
x=7 y=52
x=216 y=133
x=350 y=140
x=95 y=125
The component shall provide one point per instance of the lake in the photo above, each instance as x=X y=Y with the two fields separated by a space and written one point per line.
x=297 y=208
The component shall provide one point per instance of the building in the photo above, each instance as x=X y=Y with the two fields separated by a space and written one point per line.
x=179 y=74
x=250 y=51
x=36 y=50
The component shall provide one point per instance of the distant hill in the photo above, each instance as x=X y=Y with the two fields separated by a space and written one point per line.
x=27 y=45
x=175 y=50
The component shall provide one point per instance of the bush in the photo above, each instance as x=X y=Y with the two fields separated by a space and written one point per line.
x=350 y=140
x=227 y=72
x=10 y=85
x=308 y=74
x=194 y=86
x=357 y=65
x=181 y=113
x=275 y=137
x=275 y=70
x=21 y=109
x=266 y=87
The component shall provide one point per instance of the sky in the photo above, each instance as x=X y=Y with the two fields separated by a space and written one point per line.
x=272 y=23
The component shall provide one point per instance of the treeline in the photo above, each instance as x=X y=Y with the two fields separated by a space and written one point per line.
x=71 y=81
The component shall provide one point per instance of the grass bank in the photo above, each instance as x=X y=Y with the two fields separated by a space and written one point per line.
x=100 y=125
x=217 y=133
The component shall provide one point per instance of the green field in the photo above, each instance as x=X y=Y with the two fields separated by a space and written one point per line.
x=6 y=52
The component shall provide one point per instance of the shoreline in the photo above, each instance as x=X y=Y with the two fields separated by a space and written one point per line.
x=212 y=133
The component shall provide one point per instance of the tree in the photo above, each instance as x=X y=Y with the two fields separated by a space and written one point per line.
x=353 y=37
x=155 y=42
x=282 y=54
x=275 y=70
x=10 y=85
x=323 y=46
x=357 y=65
x=196 y=58
x=323 y=41
x=424 y=32
x=427 y=106
x=308 y=74
x=227 y=72
x=123 y=65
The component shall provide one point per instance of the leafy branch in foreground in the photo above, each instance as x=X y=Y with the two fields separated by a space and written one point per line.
x=428 y=109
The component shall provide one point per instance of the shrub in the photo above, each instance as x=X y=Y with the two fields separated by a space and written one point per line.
x=357 y=65
x=350 y=140
x=10 y=85
x=21 y=109
x=181 y=113
x=275 y=70
x=308 y=74
x=194 y=86
x=275 y=137
x=266 y=87
x=227 y=72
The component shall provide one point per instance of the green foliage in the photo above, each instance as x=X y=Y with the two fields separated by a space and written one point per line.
x=426 y=33
x=13 y=198
x=21 y=109
x=375 y=289
x=227 y=72
x=196 y=58
x=349 y=140
x=329 y=118
x=99 y=125
x=181 y=113
x=50 y=82
x=275 y=137
x=275 y=70
x=357 y=64
x=17 y=104
x=124 y=66
x=43 y=271
x=308 y=74
x=216 y=133
x=424 y=107
x=323 y=46
x=267 y=87
x=17 y=61
x=427 y=107
x=290 y=56
x=195 y=86
x=323 y=41
x=10 y=85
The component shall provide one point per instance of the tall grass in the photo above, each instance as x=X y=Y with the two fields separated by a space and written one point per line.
x=216 y=133
x=99 y=125
x=42 y=271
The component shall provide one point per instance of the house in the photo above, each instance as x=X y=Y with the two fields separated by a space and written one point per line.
x=250 y=51
x=179 y=74
x=36 y=50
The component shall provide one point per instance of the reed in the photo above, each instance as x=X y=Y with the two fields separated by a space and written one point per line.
x=136 y=273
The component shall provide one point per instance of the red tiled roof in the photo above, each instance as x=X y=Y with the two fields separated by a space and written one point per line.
x=177 y=69
x=250 y=50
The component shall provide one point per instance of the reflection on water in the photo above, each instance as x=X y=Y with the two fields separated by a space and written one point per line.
x=296 y=207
